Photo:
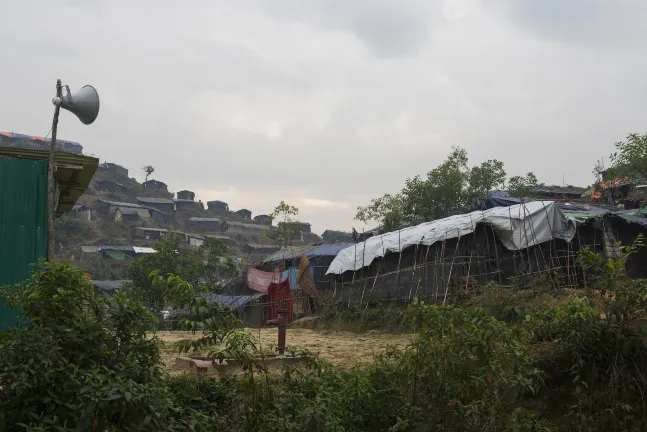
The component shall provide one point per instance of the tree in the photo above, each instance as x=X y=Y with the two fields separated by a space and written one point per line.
x=522 y=186
x=444 y=190
x=387 y=210
x=206 y=267
x=148 y=169
x=287 y=228
x=486 y=177
x=630 y=157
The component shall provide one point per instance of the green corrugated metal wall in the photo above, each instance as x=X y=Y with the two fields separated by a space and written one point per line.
x=23 y=225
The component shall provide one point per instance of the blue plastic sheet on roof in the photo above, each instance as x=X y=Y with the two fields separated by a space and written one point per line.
x=327 y=250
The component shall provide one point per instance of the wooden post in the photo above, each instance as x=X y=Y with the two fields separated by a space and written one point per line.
x=50 y=176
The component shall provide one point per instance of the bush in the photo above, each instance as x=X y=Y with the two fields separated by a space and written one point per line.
x=82 y=362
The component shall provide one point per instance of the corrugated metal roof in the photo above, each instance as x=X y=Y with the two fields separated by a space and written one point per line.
x=117 y=248
x=245 y=225
x=328 y=250
x=128 y=210
x=155 y=200
x=90 y=249
x=261 y=246
x=203 y=219
x=119 y=203
x=143 y=250
x=152 y=229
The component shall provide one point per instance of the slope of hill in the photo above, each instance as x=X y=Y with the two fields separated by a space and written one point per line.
x=119 y=211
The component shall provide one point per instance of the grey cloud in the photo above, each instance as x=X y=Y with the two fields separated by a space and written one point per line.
x=263 y=100
x=616 y=24
x=389 y=28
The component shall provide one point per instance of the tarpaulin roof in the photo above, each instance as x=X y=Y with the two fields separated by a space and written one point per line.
x=327 y=250
x=231 y=301
x=203 y=219
x=116 y=254
x=289 y=253
x=632 y=218
x=517 y=227
x=581 y=216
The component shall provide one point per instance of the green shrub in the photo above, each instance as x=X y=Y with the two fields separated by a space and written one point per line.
x=82 y=362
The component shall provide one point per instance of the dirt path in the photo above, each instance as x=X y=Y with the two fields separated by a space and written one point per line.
x=342 y=349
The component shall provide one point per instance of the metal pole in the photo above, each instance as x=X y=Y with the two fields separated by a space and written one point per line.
x=50 y=175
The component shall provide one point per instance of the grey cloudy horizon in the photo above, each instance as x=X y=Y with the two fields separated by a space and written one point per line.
x=327 y=103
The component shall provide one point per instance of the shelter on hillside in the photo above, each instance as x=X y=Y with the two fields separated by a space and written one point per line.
x=165 y=205
x=231 y=227
x=205 y=223
x=105 y=207
x=219 y=207
x=110 y=186
x=243 y=213
x=131 y=214
x=186 y=195
x=81 y=212
x=263 y=219
x=185 y=204
x=155 y=185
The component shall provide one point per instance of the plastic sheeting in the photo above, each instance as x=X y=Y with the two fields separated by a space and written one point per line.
x=517 y=227
x=327 y=250
x=291 y=274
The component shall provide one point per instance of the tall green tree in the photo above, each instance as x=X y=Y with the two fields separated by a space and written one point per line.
x=207 y=266
x=444 y=190
x=630 y=157
x=288 y=226
x=522 y=186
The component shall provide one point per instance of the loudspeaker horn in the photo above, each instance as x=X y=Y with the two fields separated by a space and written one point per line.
x=84 y=104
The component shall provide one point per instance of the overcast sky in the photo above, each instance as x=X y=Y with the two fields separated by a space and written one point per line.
x=327 y=103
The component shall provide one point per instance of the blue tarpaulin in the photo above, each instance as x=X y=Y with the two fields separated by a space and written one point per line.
x=292 y=273
x=328 y=250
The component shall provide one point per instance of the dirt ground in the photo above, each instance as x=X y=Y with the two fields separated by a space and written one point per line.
x=342 y=349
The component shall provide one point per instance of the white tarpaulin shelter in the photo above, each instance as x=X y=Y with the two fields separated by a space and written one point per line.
x=518 y=226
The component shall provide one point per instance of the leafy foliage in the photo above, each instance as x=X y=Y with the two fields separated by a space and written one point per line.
x=630 y=157
x=148 y=170
x=443 y=191
x=522 y=186
x=83 y=362
x=288 y=227
x=207 y=266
